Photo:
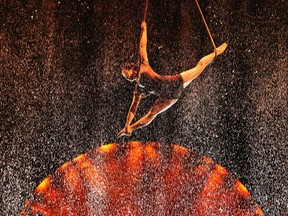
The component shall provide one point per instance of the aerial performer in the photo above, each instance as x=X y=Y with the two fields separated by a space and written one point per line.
x=168 y=88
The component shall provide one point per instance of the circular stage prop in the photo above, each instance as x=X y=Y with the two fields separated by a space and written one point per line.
x=137 y=178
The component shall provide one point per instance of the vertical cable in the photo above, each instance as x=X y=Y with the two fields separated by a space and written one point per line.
x=207 y=28
x=145 y=10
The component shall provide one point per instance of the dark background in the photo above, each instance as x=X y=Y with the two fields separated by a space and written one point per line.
x=62 y=92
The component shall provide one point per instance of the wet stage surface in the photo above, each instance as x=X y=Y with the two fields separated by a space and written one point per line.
x=141 y=179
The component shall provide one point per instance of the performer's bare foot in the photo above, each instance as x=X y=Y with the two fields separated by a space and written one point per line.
x=220 y=49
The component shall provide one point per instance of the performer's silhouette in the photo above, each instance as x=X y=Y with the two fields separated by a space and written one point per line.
x=167 y=88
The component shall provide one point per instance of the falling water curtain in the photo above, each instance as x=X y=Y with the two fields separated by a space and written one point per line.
x=62 y=92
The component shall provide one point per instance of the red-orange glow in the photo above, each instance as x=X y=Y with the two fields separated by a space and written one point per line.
x=72 y=178
x=79 y=158
x=211 y=192
x=52 y=194
x=26 y=205
x=64 y=166
x=172 y=173
x=23 y=212
x=221 y=169
x=40 y=208
x=200 y=171
x=258 y=210
x=241 y=189
x=207 y=160
x=135 y=156
x=215 y=179
x=43 y=185
x=82 y=161
x=180 y=150
x=141 y=179
x=151 y=153
x=213 y=182
x=91 y=175
x=106 y=148
x=135 y=143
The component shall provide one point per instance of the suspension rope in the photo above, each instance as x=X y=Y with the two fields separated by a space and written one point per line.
x=207 y=28
x=145 y=10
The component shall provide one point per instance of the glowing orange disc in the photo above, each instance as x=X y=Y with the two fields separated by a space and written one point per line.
x=141 y=179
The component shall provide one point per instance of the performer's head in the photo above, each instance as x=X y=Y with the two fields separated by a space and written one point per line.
x=130 y=71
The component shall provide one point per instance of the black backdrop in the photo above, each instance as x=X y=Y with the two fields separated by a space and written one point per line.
x=62 y=92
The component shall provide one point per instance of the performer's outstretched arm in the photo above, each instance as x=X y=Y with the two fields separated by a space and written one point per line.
x=131 y=114
x=143 y=43
x=133 y=108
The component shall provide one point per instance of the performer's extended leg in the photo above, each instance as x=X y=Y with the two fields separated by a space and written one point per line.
x=159 y=106
x=191 y=74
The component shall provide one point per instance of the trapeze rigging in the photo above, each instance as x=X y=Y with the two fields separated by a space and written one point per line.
x=124 y=178
x=167 y=88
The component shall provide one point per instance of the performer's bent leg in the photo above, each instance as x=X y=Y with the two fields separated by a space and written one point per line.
x=191 y=74
x=159 y=106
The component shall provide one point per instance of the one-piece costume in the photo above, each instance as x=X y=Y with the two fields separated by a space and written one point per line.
x=168 y=87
